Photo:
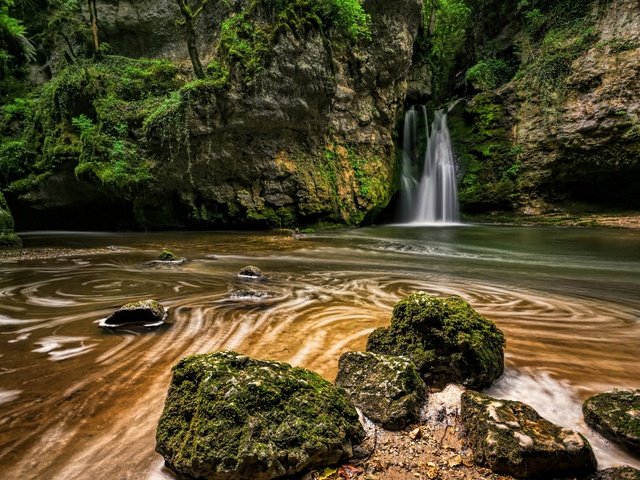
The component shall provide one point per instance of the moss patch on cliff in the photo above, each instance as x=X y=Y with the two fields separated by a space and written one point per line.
x=87 y=119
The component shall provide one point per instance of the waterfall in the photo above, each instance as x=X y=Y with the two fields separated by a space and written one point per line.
x=434 y=197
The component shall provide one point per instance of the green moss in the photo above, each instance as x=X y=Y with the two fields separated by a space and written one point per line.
x=446 y=339
x=615 y=415
x=167 y=256
x=8 y=238
x=227 y=412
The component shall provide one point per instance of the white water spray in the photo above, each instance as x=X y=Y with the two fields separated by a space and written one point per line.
x=434 y=198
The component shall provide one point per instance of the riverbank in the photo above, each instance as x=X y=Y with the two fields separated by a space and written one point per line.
x=628 y=220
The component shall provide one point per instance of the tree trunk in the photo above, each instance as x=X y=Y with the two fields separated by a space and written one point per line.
x=93 y=16
x=190 y=32
x=193 y=49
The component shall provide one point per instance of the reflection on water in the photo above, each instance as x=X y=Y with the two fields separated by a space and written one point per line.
x=78 y=401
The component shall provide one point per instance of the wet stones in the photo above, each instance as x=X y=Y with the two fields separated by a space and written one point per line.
x=511 y=438
x=144 y=313
x=616 y=415
x=448 y=341
x=248 y=295
x=616 y=473
x=388 y=389
x=250 y=272
x=229 y=416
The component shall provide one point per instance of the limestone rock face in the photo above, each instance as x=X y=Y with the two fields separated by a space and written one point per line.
x=448 y=341
x=388 y=389
x=616 y=415
x=511 y=438
x=8 y=238
x=574 y=137
x=228 y=416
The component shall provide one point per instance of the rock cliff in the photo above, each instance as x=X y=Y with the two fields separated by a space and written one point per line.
x=565 y=129
x=292 y=125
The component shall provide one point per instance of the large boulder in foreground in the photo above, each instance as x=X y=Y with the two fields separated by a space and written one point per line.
x=388 y=389
x=8 y=238
x=446 y=338
x=228 y=416
x=616 y=415
x=616 y=473
x=511 y=438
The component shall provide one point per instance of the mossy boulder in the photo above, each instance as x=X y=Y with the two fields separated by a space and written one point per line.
x=168 y=256
x=446 y=338
x=511 y=438
x=616 y=415
x=8 y=238
x=251 y=272
x=228 y=416
x=388 y=389
x=616 y=473
x=145 y=313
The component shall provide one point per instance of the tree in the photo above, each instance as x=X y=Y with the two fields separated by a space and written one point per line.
x=93 y=17
x=188 y=24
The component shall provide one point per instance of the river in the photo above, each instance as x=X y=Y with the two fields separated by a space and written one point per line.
x=79 y=402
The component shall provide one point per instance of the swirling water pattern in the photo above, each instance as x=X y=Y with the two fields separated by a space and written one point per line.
x=80 y=402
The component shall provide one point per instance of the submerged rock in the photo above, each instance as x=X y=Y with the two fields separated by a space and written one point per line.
x=616 y=473
x=248 y=295
x=250 y=271
x=388 y=389
x=616 y=415
x=512 y=438
x=228 y=416
x=446 y=338
x=144 y=313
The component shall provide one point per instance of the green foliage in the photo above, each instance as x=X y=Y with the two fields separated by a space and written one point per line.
x=489 y=74
x=83 y=120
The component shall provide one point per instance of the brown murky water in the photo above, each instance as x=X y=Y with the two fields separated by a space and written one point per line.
x=77 y=402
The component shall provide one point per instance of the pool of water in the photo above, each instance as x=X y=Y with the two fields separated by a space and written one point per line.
x=77 y=401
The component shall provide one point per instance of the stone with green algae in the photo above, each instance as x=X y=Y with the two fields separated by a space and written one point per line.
x=8 y=238
x=388 y=389
x=616 y=473
x=511 y=438
x=448 y=341
x=616 y=416
x=228 y=416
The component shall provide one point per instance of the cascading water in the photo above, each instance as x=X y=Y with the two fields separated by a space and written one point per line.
x=434 y=197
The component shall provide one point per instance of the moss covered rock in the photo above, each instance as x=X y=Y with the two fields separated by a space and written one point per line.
x=145 y=313
x=616 y=415
x=228 y=416
x=511 y=438
x=8 y=238
x=446 y=338
x=251 y=272
x=616 y=473
x=388 y=389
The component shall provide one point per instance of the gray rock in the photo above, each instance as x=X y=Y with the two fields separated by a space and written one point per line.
x=248 y=295
x=616 y=473
x=144 y=313
x=388 y=389
x=228 y=416
x=616 y=415
x=511 y=438
x=446 y=338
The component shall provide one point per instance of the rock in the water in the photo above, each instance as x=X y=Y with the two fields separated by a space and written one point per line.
x=145 y=313
x=248 y=295
x=388 y=389
x=169 y=256
x=616 y=473
x=511 y=438
x=446 y=338
x=616 y=415
x=228 y=416
x=250 y=271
